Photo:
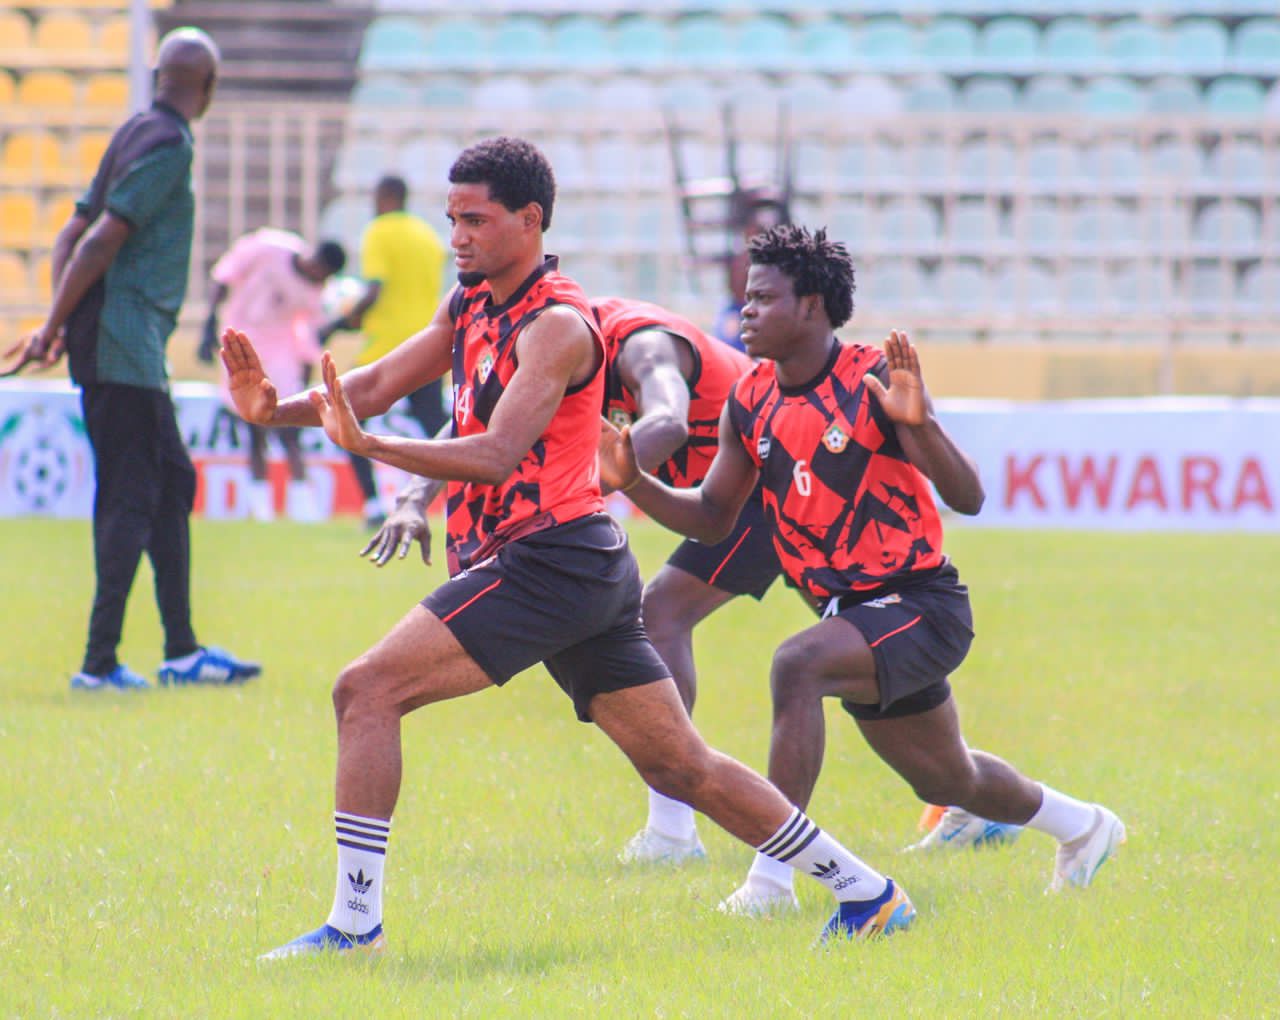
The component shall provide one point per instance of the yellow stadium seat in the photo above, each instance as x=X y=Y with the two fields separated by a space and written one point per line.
x=113 y=40
x=31 y=157
x=17 y=220
x=6 y=89
x=44 y=278
x=15 y=32
x=66 y=37
x=107 y=90
x=46 y=88
x=13 y=278
x=89 y=148
x=53 y=217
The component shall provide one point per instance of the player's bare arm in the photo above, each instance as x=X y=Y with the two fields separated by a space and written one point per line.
x=656 y=367
x=370 y=389
x=86 y=265
x=706 y=513
x=555 y=352
x=926 y=443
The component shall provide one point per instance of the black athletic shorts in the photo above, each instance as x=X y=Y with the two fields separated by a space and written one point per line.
x=918 y=636
x=745 y=563
x=569 y=597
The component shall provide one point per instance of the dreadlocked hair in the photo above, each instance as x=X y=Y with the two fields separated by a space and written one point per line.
x=516 y=172
x=814 y=264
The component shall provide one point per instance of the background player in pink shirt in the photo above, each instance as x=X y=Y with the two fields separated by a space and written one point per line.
x=272 y=285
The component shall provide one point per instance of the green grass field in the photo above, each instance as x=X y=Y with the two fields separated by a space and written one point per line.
x=152 y=845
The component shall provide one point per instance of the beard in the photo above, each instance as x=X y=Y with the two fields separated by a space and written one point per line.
x=471 y=279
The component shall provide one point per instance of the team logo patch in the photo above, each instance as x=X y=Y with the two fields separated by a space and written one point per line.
x=884 y=600
x=762 y=447
x=834 y=439
x=484 y=368
x=619 y=418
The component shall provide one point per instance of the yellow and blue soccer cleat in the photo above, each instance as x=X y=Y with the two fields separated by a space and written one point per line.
x=889 y=912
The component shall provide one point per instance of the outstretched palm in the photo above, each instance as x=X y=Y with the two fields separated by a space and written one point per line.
x=333 y=407
x=904 y=400
x=252 y=392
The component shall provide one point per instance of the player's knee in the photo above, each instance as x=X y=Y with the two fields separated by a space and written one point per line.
x=677 y=776
x=939 y=783
x=663 y=614
x=792 y=677
x=349 y=689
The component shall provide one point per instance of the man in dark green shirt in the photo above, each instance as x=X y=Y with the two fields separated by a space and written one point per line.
x=120 y=270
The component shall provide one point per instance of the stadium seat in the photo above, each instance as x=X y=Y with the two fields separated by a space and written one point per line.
x=808 y=94
x=825 y=44
x=1207 y=288
x=929 y=93
x=564 y=93
x=88 y=149
x=380 y=93
x=691 y=92
x=989 y=94
x=46 y=88
x=1259 y=292
x=1039 y=227
x=963 y=286
x=1227 y=227
x=640 y=42
x=569 y=158
x=361 y=163
x=7 y=88
x=1052 y=165
x=700 y=41
x=1198 y=46
x=1084 y=287
x=928 y=162
x=505 y=92
x=15 y=31
x=1255 y=46
x=752 y=97
x=54 y=215
x=907 y=225
x=975 y=225
x=1175 y=162
x=870 y=95
x=521 y=41
x=113 y=40
x=580 y=43
x=444 y=94
x=889 y=285
x=626 y=94
x=849 y=221
x=1108 y=96
x=31 y=158
x=1236 y=164
x=17 y=219
x=950 y=44
x=1026 y=287
x=765 y=43
x=1104 y=226
x=109 y=90
x=1050 y=93
x=1116 y=163
x=861 y=165
x=886 y=43
x=423 y=161
x=986 y=164
x=1165 y=227
x=1236 y=96
x=1071 y=44
x=15 y=287
x=401 y=44
x=66 y=34
x=1173 y=94
x=1134 y=46
x=1008 y=43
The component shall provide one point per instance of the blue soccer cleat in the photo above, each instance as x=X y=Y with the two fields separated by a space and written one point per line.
x=868 y=919
x=211 y=666
x=122 y=678
x=958 y=828
x=327 y=939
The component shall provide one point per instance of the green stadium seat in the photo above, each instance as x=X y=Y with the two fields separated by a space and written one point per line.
x=382 y=92
x=1237 y=164
x=886 y=43
x=826 y=44
x=1116 y=163
x=1071 y=44
x=1235 y=96
x=950 y=44
x=455 y=42
x=444 y=94
x=1052 y=165
x=1199 y=46
x=765 y=43
x=581 y=42
x=700 y=42
x=1008 y=43
x=1227 y=227
x=521 y=41
x=1255 y=46
x=1173 y=94
x=929 y=93
x=752 y=98
x=399 y=44
x=986 y=164
x=1173 y=161
x=860 y=165
x=1111 y=96
x=640 y=42
x=1050 y=93
x=1135 y=46
x=1272 y=108
x=989 y=94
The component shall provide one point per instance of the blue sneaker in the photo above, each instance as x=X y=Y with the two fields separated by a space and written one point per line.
x=122 y=678
x=210 y=666
x=958 y=828
x=862 y=919
x=327 y=939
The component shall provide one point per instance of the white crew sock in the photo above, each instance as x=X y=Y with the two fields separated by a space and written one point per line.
x=1062 y=817
x=805 y=847
x=671 y=818
x=766 y=870
x=362 y=851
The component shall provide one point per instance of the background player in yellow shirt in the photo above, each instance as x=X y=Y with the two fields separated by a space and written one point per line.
x=402 y=262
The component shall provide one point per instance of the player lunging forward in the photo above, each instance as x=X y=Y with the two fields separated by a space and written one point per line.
x=539 y=572
x=845 y=441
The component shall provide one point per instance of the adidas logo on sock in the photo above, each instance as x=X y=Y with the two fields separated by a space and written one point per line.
x=828 y=872
x=358 y=882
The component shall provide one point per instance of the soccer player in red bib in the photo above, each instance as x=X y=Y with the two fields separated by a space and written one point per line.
x=539 y=572
x=845 y=441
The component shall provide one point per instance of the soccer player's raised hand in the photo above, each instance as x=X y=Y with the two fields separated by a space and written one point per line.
x=252 y=392
x=406 y=524
x=331 y=404
x=904 y=400
x=618 y=467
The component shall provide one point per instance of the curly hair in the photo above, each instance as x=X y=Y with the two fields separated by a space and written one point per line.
x=516 y=172
x=814 y=264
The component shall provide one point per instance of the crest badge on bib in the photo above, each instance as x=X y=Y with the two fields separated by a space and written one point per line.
x=834 y=439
